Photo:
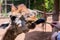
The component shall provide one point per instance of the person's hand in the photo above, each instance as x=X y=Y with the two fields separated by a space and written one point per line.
x=55 y=24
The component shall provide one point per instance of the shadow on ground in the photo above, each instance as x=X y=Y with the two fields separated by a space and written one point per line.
x=37 y=35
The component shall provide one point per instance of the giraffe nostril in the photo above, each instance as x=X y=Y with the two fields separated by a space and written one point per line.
x=28 y=16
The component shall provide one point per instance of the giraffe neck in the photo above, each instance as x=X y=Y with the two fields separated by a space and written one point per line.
x=11 y=33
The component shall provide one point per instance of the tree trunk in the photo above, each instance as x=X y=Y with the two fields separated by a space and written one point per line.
x=55 y=16
x=35 y=4
x=28 y=3
x=1 y=1
x=0 y=8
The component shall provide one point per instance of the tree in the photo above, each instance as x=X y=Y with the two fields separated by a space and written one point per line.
x=1 y=1
x=56 y=11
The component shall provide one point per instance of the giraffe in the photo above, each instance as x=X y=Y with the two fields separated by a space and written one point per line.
x=14 y=30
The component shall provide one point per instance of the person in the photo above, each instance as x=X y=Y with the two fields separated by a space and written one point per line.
x=55 y=26
x=56 y=30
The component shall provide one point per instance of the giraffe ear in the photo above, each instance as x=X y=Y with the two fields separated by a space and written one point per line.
x=13 y=8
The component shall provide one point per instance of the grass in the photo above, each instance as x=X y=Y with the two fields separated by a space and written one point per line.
x=5 y=14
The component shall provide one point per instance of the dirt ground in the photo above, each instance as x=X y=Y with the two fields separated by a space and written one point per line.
x=35 y=34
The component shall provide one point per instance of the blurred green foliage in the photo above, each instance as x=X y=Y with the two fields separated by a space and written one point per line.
x=41 y=4
x=4 y=14
x=37 y=4
x=16 y=2
x=49 y=5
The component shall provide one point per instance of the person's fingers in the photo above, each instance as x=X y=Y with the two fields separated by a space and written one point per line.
x=55 y=22
x=52 y=25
